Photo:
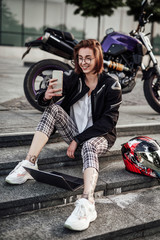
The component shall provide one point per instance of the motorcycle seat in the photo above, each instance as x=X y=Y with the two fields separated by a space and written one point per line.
x=66 y=36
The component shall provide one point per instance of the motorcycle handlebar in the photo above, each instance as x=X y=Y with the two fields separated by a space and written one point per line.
x=143 y=20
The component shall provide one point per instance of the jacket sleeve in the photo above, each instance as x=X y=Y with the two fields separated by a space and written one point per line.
x=40 y=94
x=39 y=98
x=108 y=119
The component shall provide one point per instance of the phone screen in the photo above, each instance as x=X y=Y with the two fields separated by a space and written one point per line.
x=58 y=74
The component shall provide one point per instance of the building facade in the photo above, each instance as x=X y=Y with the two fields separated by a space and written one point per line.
x=25 y=20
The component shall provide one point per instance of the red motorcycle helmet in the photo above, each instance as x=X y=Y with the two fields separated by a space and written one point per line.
x=142 y=155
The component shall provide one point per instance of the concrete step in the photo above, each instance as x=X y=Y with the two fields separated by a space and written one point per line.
x=33 y=195
x=53 y=155
x=127 y=216
x=113 y=178
x=10 y=139
x=22 y=139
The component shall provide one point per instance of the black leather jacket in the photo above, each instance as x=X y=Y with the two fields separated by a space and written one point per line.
x=105 y=99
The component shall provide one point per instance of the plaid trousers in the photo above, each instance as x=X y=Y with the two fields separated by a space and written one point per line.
x=55 y=116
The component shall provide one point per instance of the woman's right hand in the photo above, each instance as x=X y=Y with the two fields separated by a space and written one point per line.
x=52 y=91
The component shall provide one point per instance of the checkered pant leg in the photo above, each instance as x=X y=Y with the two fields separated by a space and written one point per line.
x=91 y=150
x=55 y=116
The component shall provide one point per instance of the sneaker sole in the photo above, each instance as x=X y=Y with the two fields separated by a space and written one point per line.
x=73 y=229
x=82 y=229
x=94 y=217
x=20 y=182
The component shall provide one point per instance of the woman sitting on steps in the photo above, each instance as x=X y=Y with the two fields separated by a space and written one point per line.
x=86 y=117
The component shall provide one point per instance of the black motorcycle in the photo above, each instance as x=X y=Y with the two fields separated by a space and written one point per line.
x=123 y=58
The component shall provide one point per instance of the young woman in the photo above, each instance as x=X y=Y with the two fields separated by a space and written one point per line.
x=86 y=117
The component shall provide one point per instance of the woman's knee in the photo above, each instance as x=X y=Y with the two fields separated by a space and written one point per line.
x=54 y=111
x=89 y=146
x=53 y=108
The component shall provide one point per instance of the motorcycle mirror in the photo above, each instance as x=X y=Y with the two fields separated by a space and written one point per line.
x=143 y=3
x=109 y=30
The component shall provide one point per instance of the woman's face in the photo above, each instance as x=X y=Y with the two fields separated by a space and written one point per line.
x=86 y=60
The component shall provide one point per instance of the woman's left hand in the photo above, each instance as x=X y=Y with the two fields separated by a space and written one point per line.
x=71 y=149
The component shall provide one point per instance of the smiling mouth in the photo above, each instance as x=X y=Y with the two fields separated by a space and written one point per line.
x=85 y=67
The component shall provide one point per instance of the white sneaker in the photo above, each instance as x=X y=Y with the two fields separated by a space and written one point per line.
x=19 y=175
x=83 y=214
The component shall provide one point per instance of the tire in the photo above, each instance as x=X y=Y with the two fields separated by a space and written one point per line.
x=37 y=77
x=151 y=88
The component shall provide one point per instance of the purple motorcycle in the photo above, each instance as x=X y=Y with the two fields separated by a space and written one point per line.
x=123 y=58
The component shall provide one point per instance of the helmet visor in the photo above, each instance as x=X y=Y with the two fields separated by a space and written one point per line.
x=150 y=159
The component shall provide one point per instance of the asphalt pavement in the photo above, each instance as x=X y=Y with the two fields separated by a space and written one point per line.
x=17 y=115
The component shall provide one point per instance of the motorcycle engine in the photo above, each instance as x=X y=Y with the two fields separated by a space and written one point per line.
x=127 y=82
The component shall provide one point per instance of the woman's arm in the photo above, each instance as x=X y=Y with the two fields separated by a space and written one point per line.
x=44 y=96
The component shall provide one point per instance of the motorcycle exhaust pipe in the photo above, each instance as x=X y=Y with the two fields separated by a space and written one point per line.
x=116 y=66
x=61 y=45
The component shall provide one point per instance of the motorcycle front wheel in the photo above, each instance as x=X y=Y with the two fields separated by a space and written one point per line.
x=37 y=77
x=151 y=89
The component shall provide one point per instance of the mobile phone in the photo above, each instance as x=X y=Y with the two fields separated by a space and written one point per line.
x=57 y=74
